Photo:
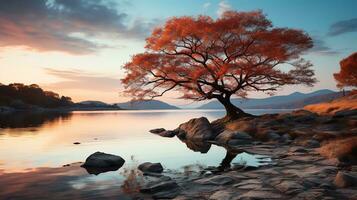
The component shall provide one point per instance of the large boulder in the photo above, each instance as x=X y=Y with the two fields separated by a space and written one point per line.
x=103 y=160
x=196 y=129
x=234 y=138
x=151 y=167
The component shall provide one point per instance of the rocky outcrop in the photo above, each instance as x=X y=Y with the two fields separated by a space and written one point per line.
x=233 y=138
x=151 y=167
x=196 y=129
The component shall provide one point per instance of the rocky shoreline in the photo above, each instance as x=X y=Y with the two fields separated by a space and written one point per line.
x=296 y=142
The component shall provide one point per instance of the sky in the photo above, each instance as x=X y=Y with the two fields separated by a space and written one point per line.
x=77 y=47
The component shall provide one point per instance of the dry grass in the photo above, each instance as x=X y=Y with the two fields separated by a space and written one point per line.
x=345 y=103
x=339 y=148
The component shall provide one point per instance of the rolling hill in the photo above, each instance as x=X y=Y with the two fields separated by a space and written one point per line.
x=146 y=105
x=291 y=101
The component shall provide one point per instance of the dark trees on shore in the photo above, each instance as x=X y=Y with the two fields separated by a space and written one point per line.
x=203 y=59
x=19 y=95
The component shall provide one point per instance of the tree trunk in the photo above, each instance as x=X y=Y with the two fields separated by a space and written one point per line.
x=232 y=112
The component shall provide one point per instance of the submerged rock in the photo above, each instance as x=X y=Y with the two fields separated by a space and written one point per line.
x=196 y=129
x=157 y=130
x=100 y=162
x=151 y=167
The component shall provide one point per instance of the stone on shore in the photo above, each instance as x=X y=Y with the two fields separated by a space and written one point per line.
x=196 y=129
x=164 y=188
x=223 y=195
x=216 y=180
x=149 y=167
x=100 y=159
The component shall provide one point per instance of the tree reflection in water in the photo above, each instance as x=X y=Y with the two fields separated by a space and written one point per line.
x=32 y=119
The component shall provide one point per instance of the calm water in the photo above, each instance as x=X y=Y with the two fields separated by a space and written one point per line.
x=35 y=147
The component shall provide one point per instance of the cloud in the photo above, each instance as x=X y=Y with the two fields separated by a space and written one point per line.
x=342 y=27
x=77 y=79
x=223 y=6
x=53 y=25
x=321 y=48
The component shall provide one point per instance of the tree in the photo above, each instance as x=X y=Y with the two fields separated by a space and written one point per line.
x=203 y=59
x=348 y=72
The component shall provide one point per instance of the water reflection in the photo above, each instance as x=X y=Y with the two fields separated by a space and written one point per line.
x=45 y=141
x=31 y=119
x=197 y=146
x=233 y=156
x=58 y=183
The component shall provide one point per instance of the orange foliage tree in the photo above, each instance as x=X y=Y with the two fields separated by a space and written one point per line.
x=348 y=72
x=203 y=58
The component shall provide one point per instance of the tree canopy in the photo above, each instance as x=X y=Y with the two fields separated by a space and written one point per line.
x=22 y=96
x=204 y=58
x=347 y=76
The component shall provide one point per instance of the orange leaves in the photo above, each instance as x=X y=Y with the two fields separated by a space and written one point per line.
x=348 y=72
x=203 y=58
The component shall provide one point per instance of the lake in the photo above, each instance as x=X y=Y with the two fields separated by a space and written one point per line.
x=35 y=147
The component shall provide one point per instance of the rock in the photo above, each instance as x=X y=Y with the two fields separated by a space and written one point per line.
x=260 y=194
x=304 y=116
x=100 y=159
x=162 y=189
x=157 y=130
x=76 y=143
x=344 y=179
x=286 y=137
x=234 y=138
x=168 y=133
x=197 y=146
x=196 y=129
x=100 y=162
x=216 y=180
x=289 y=187
x=345 y=113
x=223 y=195
x=311 y=143
x=151 y=167
x=272 y=136
x=297 y=149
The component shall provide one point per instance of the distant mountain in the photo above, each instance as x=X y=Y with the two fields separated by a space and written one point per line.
x=291 y=101
x=93 y=103
x=146 y=105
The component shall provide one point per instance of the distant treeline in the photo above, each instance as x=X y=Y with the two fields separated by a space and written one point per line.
x=21 y=96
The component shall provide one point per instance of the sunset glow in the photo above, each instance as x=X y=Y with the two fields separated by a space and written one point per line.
x=78 y=55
